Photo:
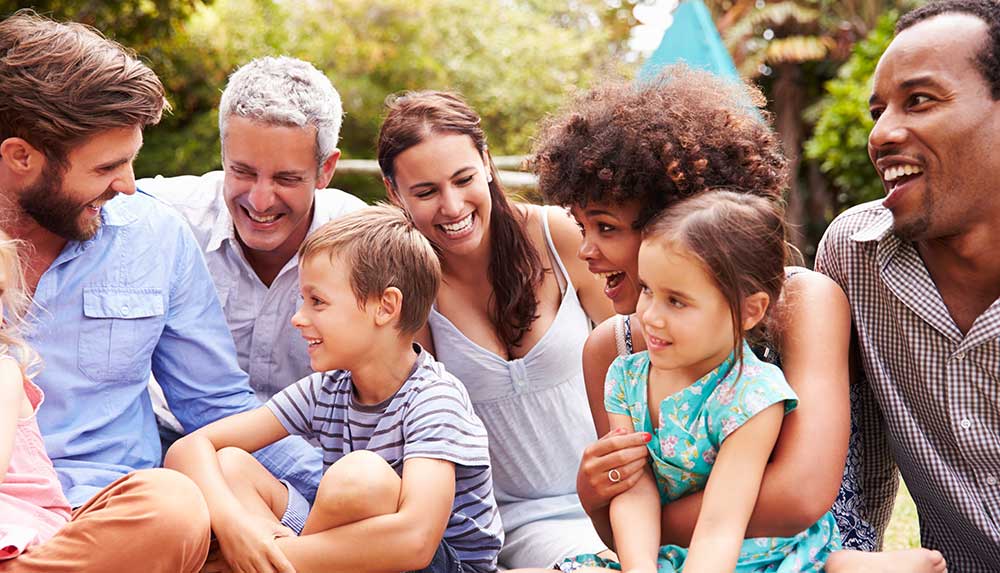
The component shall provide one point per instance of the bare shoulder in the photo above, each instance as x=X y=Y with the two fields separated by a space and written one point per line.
x=806 y=288
x=601 y=348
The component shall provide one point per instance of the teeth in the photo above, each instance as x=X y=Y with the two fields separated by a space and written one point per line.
x=257 y=219
x=459 y=226
x=897 y=171
x=608 y=274
x=313 y=341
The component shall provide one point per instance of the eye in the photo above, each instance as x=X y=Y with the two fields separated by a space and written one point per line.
x=316 y=301
x=605 y=228
x=875 y=112
x=465 y=181
x=916 y=100
x=676 y=302
x=423 y=193
x=289 y=181
x=644 y=289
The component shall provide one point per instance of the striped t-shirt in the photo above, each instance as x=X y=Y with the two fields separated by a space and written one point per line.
x=430 y=416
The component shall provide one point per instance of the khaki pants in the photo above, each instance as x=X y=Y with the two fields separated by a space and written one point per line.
x=150 y=521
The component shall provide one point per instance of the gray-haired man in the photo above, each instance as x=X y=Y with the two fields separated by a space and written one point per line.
x=279 y=120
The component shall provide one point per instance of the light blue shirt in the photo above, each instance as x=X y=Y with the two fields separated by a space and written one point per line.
x=136 y=299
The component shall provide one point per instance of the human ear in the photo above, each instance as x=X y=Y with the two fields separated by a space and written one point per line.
x=754 y=308
x=390 y=306
x=20 y=157
x=488 y=165
x=326 y=170
x=390 y=192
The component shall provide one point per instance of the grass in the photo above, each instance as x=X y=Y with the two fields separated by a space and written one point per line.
x=903 y=531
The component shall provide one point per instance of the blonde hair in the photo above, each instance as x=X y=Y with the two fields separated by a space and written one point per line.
x=383 y=249
x=16 y=307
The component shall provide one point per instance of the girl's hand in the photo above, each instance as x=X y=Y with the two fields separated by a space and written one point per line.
x=247 y=545
x=617 y=450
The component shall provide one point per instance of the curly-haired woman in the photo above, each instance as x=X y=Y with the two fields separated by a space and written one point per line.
x=620 y=154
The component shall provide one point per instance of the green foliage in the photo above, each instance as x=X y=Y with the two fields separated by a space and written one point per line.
x=840 y=139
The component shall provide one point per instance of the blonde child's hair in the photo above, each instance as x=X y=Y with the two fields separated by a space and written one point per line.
x=16 y=307
x=383 y=249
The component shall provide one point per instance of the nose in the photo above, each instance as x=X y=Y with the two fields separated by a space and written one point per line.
x=652 y=315
x=299 y=321
x=588 y=250
x=125 y=182
x=887 y=132
x=261 y=196
x=451 y=202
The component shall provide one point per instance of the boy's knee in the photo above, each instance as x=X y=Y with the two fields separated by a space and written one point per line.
x=361 y=477
x=234 y=461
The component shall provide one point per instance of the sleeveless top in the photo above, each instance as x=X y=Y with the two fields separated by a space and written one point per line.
x=32 y=505
x=855 y=532
x=534 y=408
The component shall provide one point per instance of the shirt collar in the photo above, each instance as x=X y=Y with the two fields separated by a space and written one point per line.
x=116 y=213
x=877 y=230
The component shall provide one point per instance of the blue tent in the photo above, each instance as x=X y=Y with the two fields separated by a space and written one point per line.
x=694 y=39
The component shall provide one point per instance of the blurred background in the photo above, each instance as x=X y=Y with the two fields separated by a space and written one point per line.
x=515 y=61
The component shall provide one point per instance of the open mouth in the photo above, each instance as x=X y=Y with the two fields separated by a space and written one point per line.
x=613 y=280
x=899 y=175
x=313 y=342
x=262 y=219
x=459 y=227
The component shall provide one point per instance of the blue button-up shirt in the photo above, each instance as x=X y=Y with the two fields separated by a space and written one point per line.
x=137 y=298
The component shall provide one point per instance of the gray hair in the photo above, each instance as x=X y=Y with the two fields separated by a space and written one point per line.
x=288 y=92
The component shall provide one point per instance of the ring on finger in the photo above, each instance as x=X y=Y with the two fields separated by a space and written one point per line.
x=614 y=475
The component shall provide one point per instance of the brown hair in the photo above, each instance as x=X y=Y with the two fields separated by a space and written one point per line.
x=658 y=141
x=515 y=269
x=16 y=307
x=740 y=238
x=61 y=83
x=383 y=249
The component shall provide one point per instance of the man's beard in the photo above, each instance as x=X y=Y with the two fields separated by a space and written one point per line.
x=55 y=211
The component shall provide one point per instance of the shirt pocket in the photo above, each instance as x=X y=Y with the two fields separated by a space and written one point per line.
x=121 y=327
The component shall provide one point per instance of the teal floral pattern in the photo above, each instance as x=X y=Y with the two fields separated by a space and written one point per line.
x=693 y=425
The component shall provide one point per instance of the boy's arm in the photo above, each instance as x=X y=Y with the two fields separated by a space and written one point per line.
x=635 y=516
x=401 y=541
x=241 y=535
x=732 y=492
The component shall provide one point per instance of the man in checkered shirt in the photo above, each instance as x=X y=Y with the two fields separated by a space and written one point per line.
x=921 y=269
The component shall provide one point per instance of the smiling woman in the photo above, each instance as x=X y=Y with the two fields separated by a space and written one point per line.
x=510 y=320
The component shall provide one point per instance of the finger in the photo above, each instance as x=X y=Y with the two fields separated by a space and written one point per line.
x=613 y=443
x=278 y=559
x=633 y=468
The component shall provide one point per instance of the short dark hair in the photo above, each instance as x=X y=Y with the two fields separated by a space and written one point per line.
x=659 y=141
x=61 y=83
x=988 y=58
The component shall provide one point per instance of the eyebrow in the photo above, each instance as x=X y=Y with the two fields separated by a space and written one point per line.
x=453 y=175
x=907 y=85
x=592 y=212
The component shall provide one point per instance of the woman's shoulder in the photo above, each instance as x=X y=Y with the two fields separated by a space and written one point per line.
x=804 y=284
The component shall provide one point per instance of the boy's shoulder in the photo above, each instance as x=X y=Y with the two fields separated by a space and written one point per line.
x=432 y=377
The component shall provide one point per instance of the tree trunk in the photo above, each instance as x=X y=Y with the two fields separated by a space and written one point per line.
x=788 y=102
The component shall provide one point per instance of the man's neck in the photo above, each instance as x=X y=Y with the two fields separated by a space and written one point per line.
x=966 y=270
x=41 y=247
x=268 y=264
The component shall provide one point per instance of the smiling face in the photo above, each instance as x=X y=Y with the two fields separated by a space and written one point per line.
x=685 y=319
x=935 y=139
x=68 y=204
x=270 y=181
x=611 y=249
x=443 y=183
x=338 y=331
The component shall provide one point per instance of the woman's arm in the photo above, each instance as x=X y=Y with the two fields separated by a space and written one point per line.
x=622 y=449
x=567 y=239
x=731 y=492
x=635 y=516
x=807 y=465
x=402 y=541
x=11 y=398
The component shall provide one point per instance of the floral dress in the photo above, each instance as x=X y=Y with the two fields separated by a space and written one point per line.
x=693 y=424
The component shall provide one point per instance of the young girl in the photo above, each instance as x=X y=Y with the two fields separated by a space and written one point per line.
x=709 y=269
x=32 y=504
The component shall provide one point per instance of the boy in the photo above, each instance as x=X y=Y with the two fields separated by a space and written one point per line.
x=408 y=483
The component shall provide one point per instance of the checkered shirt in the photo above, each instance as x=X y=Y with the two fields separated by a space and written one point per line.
x=937 y=390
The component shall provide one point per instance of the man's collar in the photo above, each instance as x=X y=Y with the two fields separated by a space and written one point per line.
x=222 y=229
x=877 y=230
x=117 y=212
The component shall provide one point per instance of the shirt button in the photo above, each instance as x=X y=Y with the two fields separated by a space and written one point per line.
x=991 y=480
x=125 y=309
x=966 y=423
x=960 y=356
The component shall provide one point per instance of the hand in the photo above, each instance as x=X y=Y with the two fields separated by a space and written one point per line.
x=247 y=546
x=616 y=450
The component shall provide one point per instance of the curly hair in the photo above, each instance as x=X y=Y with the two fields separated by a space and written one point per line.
x=659 y=141
x=988 y=58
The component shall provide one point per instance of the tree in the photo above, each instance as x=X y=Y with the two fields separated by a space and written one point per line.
x=839 y=142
